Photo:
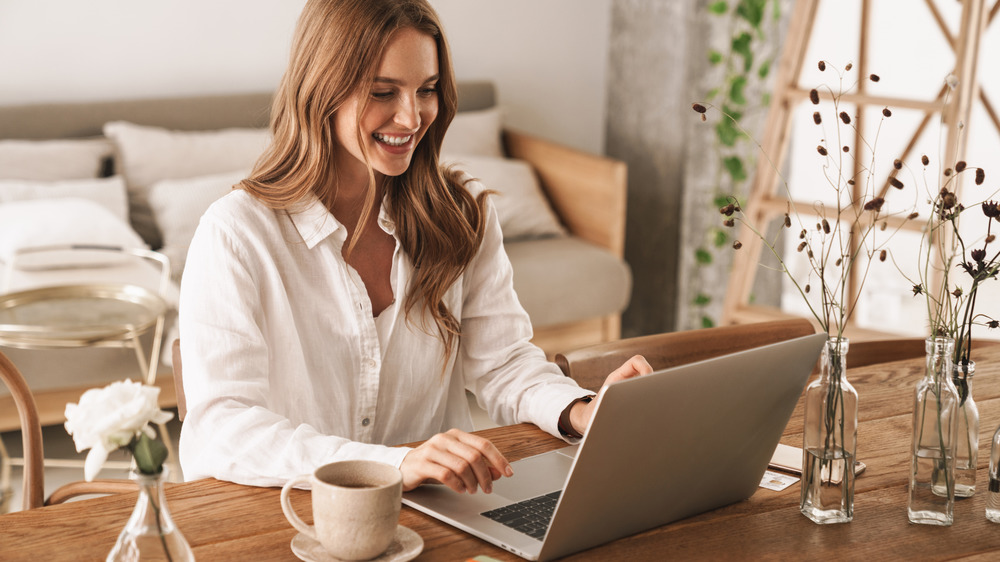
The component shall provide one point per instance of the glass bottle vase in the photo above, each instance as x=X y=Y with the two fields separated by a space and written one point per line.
x=830 y=435
x=967 y=446
x=993 y=486
x=150 y=533
x=935 y=426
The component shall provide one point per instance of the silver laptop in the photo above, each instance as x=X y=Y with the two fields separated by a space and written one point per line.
x=660 y=448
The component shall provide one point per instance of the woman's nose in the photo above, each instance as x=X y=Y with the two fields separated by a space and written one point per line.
x=408 y=112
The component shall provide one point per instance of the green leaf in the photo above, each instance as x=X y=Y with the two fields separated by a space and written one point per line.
x=764 y=70
x=149 y=454
x=736 y=90
x=720 y=201
x=721 y=237
x=741 y=46
x=702 y=299
x=727 y=132
x=707 y=322
x=703 y=256
x=734 y=165
x=714 y=57
x=752 y=11
x=712 y=93
x=719 y=7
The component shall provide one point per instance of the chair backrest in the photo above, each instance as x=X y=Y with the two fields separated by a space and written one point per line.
x=589 y=366
x=178 y=381
x=31 y=433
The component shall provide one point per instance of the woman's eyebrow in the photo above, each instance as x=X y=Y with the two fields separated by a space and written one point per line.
x=397 y=82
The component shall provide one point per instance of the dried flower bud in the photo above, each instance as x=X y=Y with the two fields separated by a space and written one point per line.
x=957 y=292
x=808 y=288
x=819 y=226
x=737 y=245
x=840 y=261
x=948 y=200
x=788 y=221
x=960 y=166
x=817 y=118
x=699 y=108
x=849 y=67
x=883 y=226
x=822 y=66
x=802 y=246
x=845 y=117
x=991 y=238
x=729 y=222
x=897 y=163
x=851 y=182
x=894 y=182
x=886 y=112
x=978 y=255
x=703 y=118
x=947 y=172
x=882 y=255
x=874 y=77
x=980 y=176
x=875 y=204
x=925 y=160
x=826 y=226
x=918 y=289
x=809 y=252
x=912 y=215
x=822 y=150
x=802 y=234
x=994 y=324
x=728 y=210
x=814 y=96
x=991 y=209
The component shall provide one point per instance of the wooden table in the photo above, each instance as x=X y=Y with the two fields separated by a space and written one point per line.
x=227 y=521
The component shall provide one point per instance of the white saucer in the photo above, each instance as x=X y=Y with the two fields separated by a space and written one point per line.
x=406 y=545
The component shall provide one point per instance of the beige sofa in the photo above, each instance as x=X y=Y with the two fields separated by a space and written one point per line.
x=574 y=285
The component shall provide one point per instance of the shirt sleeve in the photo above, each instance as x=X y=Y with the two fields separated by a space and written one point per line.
x=229 y=432
x=509 y=375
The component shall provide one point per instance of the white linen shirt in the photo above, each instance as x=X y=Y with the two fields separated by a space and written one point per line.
x=286 y=369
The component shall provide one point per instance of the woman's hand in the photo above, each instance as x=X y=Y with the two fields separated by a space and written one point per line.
x=462 y=461
x=581 y=412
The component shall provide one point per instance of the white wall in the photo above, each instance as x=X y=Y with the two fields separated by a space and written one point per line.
x=547 y=58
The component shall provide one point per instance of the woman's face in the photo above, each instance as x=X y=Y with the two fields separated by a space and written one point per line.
x=402 y=103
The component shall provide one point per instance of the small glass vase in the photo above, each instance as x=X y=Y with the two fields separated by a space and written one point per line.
x=935 y=426
x=967 y=446
x=150 y=533
x=830 y=435
x=993 y=487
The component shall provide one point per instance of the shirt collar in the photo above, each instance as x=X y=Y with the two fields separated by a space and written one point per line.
x=314 y=222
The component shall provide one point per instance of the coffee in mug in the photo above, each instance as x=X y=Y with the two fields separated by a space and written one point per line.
x=355 y=507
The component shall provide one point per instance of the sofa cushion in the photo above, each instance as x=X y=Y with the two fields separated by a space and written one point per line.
x=548 y=274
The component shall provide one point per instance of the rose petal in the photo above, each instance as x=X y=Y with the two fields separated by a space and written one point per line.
x=95 y=460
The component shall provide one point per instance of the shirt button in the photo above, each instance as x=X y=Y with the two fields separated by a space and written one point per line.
x=365 y=422
x=372 y=363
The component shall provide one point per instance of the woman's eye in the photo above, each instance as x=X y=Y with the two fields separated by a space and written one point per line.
x=427 y=92
x=382 y=95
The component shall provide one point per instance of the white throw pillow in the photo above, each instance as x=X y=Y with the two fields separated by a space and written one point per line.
x=107 y=192
x=146 y=155
x=46 y=160
x=523 y=209
x=68 y=221
x=178 y=206
x=474 y=132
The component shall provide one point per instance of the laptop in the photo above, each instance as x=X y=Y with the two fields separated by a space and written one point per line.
x=660 y=448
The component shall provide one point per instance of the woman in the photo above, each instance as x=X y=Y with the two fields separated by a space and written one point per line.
x=346 y=295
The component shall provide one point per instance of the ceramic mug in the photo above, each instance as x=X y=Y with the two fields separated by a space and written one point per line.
x=355 y=507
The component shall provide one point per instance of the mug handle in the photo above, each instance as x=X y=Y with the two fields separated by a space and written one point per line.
x=286 y=507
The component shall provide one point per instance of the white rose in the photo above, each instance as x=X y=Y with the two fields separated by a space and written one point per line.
x=108 y=418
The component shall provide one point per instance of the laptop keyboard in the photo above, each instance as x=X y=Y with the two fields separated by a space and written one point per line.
x=531 y=517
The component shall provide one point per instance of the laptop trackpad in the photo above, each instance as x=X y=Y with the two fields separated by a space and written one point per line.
x=537 y=475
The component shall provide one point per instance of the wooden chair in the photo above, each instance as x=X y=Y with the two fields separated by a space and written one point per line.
x=589 y=366
x=31 y=436
x=178 y=381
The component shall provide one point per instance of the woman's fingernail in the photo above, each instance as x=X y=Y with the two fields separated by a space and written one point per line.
x=509 y=471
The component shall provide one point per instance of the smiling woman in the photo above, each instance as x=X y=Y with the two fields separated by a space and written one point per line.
x=347 y=294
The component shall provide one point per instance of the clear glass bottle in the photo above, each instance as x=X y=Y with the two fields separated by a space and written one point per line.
x=967 y=446
x=830 y=435
x=993 y=488
x=932 y=468
x=150 y=533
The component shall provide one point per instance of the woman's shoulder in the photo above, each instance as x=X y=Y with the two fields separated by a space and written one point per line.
x=238 y=207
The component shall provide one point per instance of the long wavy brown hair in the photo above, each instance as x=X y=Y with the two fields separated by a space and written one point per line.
x=336 y=52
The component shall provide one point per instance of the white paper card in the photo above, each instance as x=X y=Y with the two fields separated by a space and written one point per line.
x=777 y=481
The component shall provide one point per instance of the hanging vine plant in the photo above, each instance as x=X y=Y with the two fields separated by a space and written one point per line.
x=747 y=61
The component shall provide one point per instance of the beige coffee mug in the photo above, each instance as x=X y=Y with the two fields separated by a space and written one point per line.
x=355 y=507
